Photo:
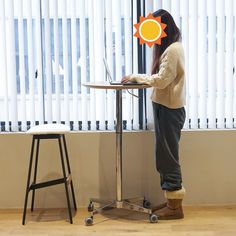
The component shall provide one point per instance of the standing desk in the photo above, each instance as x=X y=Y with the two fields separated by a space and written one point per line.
x=119 y=202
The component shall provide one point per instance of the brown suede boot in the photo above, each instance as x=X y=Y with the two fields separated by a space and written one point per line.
x=160 y=206
x=173 y=209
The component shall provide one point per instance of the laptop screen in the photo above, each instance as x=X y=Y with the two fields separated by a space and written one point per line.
x=107 y=69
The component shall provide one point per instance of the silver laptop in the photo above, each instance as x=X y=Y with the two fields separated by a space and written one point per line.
x=116 y=82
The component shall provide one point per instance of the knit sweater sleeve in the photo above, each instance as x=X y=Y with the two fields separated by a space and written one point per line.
x=167 y=72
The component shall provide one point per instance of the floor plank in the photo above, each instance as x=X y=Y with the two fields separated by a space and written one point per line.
x=198 y=221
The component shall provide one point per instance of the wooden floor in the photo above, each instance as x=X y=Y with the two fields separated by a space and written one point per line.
x=199 y=221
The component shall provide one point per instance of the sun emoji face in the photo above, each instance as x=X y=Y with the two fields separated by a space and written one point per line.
x=150 y=30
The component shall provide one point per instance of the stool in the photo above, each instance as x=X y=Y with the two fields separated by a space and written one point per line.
x=49 y=131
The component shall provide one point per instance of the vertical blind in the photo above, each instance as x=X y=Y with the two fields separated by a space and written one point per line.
x=50 y=48
x=209 y=39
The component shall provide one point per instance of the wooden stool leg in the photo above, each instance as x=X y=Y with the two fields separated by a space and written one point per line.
x=28 y=180
x=69 y=171
x=35 y=173
x=65 y=181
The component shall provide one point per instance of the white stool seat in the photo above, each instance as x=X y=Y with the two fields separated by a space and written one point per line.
x=49 y=129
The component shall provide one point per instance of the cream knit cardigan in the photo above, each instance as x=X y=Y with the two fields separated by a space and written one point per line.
x=169 y=83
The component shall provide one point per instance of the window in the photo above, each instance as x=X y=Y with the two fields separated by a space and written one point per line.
x=208 y=36
x=55 y=47
x=50 y=48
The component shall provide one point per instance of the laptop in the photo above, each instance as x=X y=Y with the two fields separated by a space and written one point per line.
x=116 y=82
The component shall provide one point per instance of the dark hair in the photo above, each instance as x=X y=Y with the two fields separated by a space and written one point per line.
x=173 y=35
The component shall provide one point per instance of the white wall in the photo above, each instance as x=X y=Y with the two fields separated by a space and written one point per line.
x=208 y=164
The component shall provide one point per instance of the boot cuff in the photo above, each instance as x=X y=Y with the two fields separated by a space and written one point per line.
x=178 y=194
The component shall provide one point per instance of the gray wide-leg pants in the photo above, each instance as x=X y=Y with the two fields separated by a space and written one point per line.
x=168 y=124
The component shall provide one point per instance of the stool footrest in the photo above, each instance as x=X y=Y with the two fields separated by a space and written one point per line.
x=47 y=183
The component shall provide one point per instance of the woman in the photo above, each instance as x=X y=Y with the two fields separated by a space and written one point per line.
x=168 y=99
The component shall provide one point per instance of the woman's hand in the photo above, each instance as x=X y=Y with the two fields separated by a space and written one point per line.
x=125 y=79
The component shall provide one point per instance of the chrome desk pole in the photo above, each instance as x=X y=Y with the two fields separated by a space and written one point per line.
x=119 y=129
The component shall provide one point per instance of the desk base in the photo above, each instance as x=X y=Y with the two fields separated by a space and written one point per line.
x=124 y=204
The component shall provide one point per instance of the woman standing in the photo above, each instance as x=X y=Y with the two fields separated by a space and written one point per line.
x=168 y=99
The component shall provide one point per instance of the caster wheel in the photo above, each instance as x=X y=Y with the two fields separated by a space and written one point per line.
x=146 y=204
x=90 y=207
x=88 y=221
x=153 y=218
